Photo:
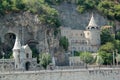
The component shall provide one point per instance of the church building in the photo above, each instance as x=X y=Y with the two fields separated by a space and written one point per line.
x=83 y=40
x=23 y=56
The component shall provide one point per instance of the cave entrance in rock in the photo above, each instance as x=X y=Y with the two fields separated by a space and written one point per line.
x=9 y=40
x=27 y=65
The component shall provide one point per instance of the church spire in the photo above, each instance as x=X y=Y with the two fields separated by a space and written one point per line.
x=92 y=22
x=17 y=44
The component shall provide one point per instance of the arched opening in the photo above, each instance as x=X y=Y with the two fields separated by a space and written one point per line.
x=9 y=40
x=92 y=27
x=27 y=66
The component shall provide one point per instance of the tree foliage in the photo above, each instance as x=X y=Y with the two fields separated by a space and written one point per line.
x=107 y=57
x=64 y=43
x=117 y=45
x=108 y=47
x=86 y=57
x=47 y=14
x=106 y=36
x=117 y=35
x=45 y=59
x=109 y=8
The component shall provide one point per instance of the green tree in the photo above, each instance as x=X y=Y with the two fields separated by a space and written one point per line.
x=106 y=36
x=107 y=57
x=64 y=43
x=45 y=59
x=86 y=57
x=117 y=36
x=108 y=47
x=117 y=45
x=76 y=53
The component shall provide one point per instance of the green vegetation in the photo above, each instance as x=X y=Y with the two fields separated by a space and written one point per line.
x=117 y=35
x=54 y=1
x=106 y=36
x=109 y=8
x=64 y=43
x=47 y=15
x=108 y=47
x=76 y=53
x=110 y=43
x=99 y=60
x=106 y=57
x=86 y=57
x=45 y=59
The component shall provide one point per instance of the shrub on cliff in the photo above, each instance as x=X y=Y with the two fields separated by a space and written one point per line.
x=45 y=59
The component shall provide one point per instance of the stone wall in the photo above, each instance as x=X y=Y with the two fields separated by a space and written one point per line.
x=102 y=74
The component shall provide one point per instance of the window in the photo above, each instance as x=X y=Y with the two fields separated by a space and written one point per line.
x=27 y=55
x=82 y=48
x=92 y=27
x=89 y=48
x=73 y=48
x=16 y=66
x=81 y=34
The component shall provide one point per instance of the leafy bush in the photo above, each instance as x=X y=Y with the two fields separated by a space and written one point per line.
x=64 y=43
x=86 y=57
x=45 y=59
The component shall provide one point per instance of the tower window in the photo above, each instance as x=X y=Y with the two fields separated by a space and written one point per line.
x=92 y=27
x=81 y=34
x=16 y=66
x=27 y=55
x=96 y=27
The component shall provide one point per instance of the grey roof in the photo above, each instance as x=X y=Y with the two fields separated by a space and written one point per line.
x=17 y=44
x=92 y=22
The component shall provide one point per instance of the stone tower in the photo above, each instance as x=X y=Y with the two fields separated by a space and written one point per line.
x=93 y=33
x=16 y=53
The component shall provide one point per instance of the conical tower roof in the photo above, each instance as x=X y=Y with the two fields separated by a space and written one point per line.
x=17 y=44
x=92 y=22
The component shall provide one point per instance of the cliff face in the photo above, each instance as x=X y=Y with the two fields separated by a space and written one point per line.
x=32 y=32
x=69 y=17
x=25 y=25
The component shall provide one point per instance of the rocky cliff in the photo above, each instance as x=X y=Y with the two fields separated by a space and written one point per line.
x=69 y=16
x=32 y=32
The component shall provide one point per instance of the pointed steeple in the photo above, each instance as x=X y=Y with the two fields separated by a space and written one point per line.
x=92 y=22
x=17 y=44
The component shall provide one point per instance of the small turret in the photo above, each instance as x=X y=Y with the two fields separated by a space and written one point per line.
x=16 y=52
x=92 y=24
x=17 y=44
x=93 y=34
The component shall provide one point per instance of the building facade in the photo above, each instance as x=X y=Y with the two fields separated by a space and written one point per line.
x=83 y=40
x=23 y=56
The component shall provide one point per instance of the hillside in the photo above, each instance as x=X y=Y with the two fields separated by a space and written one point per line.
x=38 y=17
x=71 y=13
